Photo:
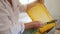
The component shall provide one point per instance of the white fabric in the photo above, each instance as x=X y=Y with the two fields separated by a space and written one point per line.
x=24 y=18
x=9 y=18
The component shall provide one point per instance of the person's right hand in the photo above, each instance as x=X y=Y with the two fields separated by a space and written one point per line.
x=34 y=24
x=37 y=24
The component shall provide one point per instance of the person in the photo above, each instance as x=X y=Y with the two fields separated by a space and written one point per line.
x=9 y=11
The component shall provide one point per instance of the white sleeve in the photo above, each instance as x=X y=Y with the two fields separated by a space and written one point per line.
x=21 y=21
x=22 y=27
x=17 y=29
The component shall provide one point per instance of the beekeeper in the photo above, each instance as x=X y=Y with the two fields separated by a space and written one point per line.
x=9 y=11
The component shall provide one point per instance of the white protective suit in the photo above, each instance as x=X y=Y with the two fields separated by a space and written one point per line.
x=9 y=18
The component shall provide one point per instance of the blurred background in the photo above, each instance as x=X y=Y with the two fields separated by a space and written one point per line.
x=54 y=7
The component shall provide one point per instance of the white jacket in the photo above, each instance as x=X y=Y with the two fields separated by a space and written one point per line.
x=9 y=18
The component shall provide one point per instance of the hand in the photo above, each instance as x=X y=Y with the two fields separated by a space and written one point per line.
x=34 y=24
x=37 y=24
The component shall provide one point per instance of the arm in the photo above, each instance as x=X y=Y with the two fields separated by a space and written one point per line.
x=34 y=24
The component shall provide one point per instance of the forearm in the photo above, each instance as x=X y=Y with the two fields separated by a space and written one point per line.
x=28 y=25
x=34 y=24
